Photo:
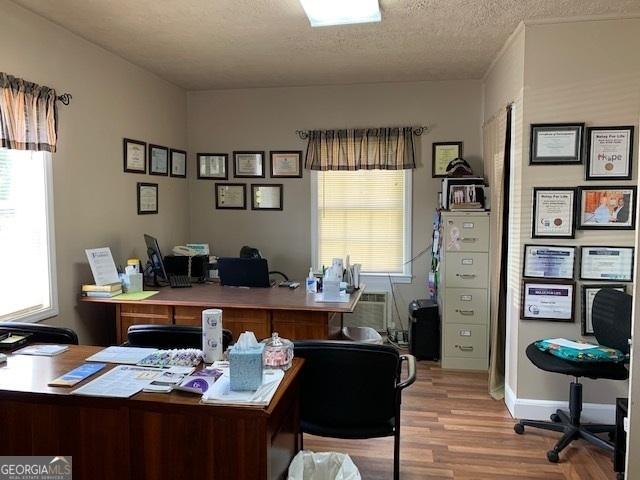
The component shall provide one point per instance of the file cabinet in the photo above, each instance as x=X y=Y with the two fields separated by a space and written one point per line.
x=463 y=293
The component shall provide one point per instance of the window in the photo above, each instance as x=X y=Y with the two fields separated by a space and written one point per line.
x=27 y=282
x=365 y=214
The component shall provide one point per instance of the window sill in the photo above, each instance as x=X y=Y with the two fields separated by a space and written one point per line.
x=370 y=278
x=34 y=317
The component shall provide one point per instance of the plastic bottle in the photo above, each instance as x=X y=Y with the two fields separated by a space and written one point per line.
x=311 y=282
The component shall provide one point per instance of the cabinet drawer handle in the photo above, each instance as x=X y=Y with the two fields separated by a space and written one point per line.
x=465 y=312
x=466 y=276
x=469 y=239
x=464 y=348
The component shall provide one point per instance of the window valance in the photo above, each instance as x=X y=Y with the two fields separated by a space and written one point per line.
x=28 y=115
x=361 y=149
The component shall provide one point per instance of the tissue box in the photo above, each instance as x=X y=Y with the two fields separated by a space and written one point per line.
x=245 y=368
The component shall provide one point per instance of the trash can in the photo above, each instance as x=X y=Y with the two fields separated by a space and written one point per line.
x=307 y=465
x=362 y=334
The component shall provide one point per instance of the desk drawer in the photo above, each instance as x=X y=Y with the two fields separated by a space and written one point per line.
x=467 y=341
x=466 y=270
x=466 y=305
x=466 y=234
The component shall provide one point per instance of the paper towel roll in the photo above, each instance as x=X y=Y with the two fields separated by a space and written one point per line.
x=212 y=335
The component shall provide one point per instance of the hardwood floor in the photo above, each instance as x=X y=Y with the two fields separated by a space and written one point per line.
x=452 y=428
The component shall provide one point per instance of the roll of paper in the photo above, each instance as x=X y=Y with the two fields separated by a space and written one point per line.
x=212 y=335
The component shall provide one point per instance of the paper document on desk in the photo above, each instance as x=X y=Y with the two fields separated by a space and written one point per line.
x=43 y=350
x=221 y=394
x=343 y=298
x=123 y=381
x=102 y=266
x=123 y=355
x=563 y=342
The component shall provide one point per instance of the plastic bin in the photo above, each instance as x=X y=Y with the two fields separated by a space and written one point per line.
x=362 y=334
x=307 y=465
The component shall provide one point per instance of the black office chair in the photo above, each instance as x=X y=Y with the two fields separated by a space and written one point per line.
x=353 y=390
x=41 y=333
x=170 y=336
x=251 y=252
x=611 y=316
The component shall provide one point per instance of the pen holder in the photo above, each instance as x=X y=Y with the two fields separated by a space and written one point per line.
x=245 y=368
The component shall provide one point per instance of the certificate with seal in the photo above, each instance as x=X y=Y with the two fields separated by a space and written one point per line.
x=547 y=300
x=553 y=212
x=549 y=261
x=606 y=263
x=556 y=143
x=610 y=153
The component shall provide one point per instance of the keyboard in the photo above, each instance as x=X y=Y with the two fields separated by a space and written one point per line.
x=179 y=281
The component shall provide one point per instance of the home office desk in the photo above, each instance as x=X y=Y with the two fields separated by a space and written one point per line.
x=148 y=436
x=292 y=313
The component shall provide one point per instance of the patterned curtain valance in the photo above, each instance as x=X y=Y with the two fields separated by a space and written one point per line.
x=361 y=149
x=28 y=115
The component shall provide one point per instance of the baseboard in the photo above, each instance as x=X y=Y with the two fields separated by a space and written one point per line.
x=534 y=409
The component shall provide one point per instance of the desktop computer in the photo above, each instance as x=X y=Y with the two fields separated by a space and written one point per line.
x=155 y=273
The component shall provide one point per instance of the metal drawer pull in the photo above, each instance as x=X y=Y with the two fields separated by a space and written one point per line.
x=466 y=276
x=464 y=348
x=465 y=312
x=469 y=240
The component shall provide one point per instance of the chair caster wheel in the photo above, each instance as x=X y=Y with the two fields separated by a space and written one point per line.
x=518 y=428
x=553 y=456
x=555 y=418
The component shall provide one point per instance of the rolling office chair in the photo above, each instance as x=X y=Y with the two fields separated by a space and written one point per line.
x=251 y=252
x=352 y=390
x=611 y=315
x=170 y=336
x=41 y=333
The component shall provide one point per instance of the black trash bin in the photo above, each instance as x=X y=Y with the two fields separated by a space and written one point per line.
x=424 y=330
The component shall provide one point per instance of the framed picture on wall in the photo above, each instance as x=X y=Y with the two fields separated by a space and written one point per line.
x=549 y=261
x=213 y=166
x=441 y=154
x=556 y=143
x=607 y=208
x=231 y=196
x=606 y=263
x=286 y=164
x=548 y=300
x=158 y=160
x=266 y=196
x=147 y=198
x=178 y=163
x=588 y=294
x=553 y=212
x=248 y=164
x=134 y=156
x=609 y=153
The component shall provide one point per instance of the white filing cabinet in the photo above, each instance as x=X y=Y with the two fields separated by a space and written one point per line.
x=463 y=293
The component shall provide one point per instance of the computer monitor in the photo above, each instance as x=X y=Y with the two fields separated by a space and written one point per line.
x=155 y=259
x=243 y=272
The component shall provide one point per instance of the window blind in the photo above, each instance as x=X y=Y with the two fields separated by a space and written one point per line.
x=362 y=214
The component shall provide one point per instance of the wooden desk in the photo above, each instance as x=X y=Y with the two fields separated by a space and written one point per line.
x=292 y=313
x=148 y=436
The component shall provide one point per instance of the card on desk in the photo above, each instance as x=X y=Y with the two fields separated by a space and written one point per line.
x=76 y=375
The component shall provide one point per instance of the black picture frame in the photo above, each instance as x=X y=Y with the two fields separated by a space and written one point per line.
x=434 y=148
x=534 y=220
x=199 y=159
x=629 y=224
x=565 y=283
x=285 y=152
x=583 y=301
x=573 y=159
x=218 y=198
x=153 y=171
x=139 y=187
x=628 y=278
x=254 y=205
x=527 y=275
x=248 y=152
x=125 y=156
x=589 y=153
x=171 y=160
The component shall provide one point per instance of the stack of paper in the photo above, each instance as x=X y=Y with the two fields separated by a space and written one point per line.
x=121 y=382
x=44 y=350
x=124 y=355
x=221 y=394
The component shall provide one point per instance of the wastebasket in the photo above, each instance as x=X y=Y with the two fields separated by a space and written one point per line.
x=307 y=465
x=362 y=334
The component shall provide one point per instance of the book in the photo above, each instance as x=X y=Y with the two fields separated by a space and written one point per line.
x=111 y=287
x=200 y=381
x=102 y=294
x=76 y=375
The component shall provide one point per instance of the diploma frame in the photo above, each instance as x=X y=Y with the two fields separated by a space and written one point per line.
x=128 y=167
x=256 y=187
x=239 y=189
x=153 y=170
x=585 y=288
x=173 y=159
x=571 y=209
x=528 y=274
x=625 y=192
x=142 y=209
x=276 y=158
x=219 y=157
x=627 y=275
x=436 y=158
x=257 y=169
x=593 y=151
x=574 y=158
x=556 y=283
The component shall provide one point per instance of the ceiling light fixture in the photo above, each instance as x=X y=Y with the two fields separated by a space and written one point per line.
x=323 y=13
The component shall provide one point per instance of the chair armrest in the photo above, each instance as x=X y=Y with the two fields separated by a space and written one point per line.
x=411 y=374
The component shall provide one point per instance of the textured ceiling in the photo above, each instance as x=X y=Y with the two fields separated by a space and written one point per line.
x=208 y=44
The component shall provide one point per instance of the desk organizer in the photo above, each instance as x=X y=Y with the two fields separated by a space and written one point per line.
x=245 y=367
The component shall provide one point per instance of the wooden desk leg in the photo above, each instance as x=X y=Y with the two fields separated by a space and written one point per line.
x=119 y=335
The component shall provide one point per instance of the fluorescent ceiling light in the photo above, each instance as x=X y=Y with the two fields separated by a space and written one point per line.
x=323 y=13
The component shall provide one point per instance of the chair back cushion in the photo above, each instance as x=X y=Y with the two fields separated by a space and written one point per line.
x=611 y=317
x=170 y=336
x=42 y=333
x=347 y=384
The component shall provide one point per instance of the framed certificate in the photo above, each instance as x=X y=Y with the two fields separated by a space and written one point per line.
x=548 y=300
x=213 y=166
x=135 y=156
x=610 y=153
x=588 y=294
x=441 y=154
x=266 y=196
x=556 y=143
x=248 y=164
x=607 y=208
x=606 y=263
x=231 y=196
x=158 y=160
x=549 y=261
x=147 y=198
x=553 y=212
x=178 y=163
x=286 y=164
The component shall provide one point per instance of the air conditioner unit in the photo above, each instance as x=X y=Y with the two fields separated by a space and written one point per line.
x=371 y=311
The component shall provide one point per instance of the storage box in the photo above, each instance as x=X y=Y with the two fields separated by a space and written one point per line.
x=245 y=368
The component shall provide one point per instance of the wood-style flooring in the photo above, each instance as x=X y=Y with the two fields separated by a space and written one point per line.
x=452 y=428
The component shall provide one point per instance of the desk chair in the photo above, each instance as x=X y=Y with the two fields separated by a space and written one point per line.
x=611 y=316
x=353 y=390
x=251 y=252
x=41 y=333
x=170 y=336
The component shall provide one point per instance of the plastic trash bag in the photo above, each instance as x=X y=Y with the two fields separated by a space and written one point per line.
x=307 y=465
